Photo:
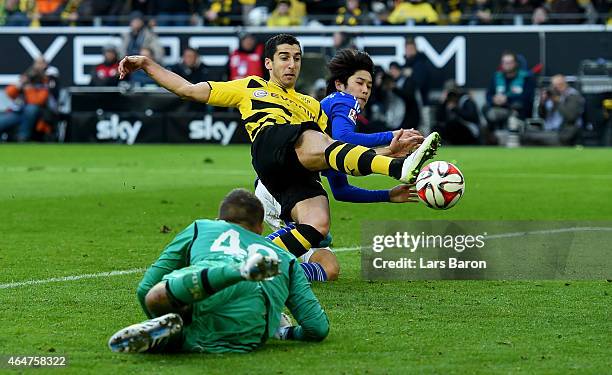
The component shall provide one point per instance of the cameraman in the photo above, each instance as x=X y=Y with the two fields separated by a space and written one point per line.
x=457 y=118
x=561 y=107
x=29 y=97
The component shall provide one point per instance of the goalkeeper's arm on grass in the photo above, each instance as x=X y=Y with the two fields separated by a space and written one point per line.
x=173 y=257
x=312 y=321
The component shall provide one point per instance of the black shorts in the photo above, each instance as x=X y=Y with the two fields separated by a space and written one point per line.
x=278 y=167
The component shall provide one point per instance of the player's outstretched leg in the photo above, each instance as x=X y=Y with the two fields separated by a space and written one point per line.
x=360 y=161
x=146 y=336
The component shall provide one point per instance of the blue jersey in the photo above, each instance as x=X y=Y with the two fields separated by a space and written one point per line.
x=342 y=110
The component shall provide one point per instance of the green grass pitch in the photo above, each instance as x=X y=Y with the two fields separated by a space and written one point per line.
x=85 y=209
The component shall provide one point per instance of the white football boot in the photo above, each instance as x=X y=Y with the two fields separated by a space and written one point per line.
x=141 y=337
x=414 y=162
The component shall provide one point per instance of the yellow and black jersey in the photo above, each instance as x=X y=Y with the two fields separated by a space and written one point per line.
x=263 y=103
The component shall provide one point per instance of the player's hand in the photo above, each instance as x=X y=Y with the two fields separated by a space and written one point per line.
x=412 y=139
x=396 y=147
x=411 y=132
x=285 y=326
x=260 y=265
x=130 y=64
x=403 y=194
x=404 y=142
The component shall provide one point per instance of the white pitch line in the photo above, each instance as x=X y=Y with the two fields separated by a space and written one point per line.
x=337 y=250
x=345 y=249
x=107 y=274
x=550 y=231
x=71 y=278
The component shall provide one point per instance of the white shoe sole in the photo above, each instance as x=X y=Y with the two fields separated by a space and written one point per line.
x=140 y=337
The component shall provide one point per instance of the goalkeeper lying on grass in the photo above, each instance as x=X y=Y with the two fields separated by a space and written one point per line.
x=220 y=286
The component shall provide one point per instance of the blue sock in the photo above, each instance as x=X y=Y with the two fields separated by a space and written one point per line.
x=314 y=272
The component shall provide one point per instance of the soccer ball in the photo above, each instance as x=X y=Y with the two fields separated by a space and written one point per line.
x=440 y=185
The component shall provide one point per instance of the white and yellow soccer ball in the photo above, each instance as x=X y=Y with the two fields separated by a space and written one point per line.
x=440 y=185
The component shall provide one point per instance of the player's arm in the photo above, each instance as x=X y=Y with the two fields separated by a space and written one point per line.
x=165 y=78
x=344 y=119
x=396 y=143
x=313 y=324
x=173 y=257
x=343 y=191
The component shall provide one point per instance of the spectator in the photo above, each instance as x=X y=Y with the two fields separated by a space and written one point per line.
x=29 y=97
x=457 y=118
x=13 y=13
x=418 y=68
x=380 y=13
x=70 y=14
x=510 y=94
x=451 y=12
x=351 y=14
x=175 y=12
x=105 y=74
x=405 y=88
x=47 y=12
x=139 y=78
x=108 y=10
x=566 y=12
x=418 y=12
x=561 y=107
x=519 y=10
x=247 y=60
x=140 y=36
x=387 y=110
x=190 y=67
x=540 y=16
x=482 y=12
x=282 y=16
x=227 y=12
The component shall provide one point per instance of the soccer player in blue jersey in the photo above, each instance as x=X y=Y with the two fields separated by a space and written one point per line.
x=348 y=88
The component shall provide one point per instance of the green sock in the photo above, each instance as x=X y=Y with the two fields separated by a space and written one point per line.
x=198 y=285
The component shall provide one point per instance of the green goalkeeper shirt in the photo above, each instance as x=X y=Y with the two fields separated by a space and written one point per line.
x=217 y=242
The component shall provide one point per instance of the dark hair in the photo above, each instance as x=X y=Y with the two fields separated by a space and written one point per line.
x=395 y=64
x=275 y=41
x=241 y=207
x=344 y=64
x=190 y=49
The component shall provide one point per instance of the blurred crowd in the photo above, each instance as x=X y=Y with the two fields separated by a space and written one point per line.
x=286 y=13
x=519 y=107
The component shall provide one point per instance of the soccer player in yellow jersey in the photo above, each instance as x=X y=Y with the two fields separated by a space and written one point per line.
x=289 y=141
